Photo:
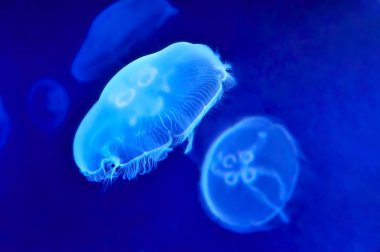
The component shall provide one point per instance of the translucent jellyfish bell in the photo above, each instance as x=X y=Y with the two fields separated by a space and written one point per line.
x=114 y=32
x=48 y=104
x=249 y=175
x=4 y=124
x=150 y=106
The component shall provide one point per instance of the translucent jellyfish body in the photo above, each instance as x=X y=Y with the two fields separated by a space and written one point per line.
x=48 y=104
x=150 y=106
x=114 y=32
x=249 y=175
x=4 y=124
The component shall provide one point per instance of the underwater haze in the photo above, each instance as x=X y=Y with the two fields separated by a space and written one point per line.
x=311 y=67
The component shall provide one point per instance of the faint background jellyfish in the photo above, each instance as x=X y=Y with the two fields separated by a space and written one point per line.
x=4 y=124
x=249 y=175
x=150 y=106
x=48 y=104
x=114 y=32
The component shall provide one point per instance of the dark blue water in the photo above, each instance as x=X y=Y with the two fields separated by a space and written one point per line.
x=313 y=66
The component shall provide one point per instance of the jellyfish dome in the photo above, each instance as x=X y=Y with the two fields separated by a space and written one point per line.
x=150 y=106
x=4 y=124
x=114 y=32
x=249 y=175
x=48 y=104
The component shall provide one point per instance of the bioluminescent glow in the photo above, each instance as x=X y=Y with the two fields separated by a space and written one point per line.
x=114 y=32
x=150 y=106
x=4 y=124
x=48 y=104
x=249 y=175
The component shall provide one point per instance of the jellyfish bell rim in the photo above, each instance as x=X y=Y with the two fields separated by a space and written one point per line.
x=100 y=174
x=251 y=227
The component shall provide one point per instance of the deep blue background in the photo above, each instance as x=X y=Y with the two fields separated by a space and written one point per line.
x=313 y=65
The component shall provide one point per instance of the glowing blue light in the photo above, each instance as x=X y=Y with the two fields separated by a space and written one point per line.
x=48 y=104
x=115 y=31
x=4 y=124
x=150 y=106
x=249 y=175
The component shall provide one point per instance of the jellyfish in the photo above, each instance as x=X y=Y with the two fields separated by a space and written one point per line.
x=149 y=107
x=249 y=175
x=4 y=124
x=114 y=32
x=48 y=104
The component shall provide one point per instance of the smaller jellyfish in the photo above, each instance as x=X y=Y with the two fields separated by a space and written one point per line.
x=249 y=175
x=148 y=108
x=114 y=32
x=48 y=104
x=4 y=124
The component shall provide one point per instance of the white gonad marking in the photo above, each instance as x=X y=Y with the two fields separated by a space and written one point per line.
x=229 y=161
x=248 y=174
x=231 y=178
x=125 y=98
x=246 y=157
x=147 y=76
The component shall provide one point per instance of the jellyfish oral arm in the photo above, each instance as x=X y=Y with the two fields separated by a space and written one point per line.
x=261 y=171
x=266 y=201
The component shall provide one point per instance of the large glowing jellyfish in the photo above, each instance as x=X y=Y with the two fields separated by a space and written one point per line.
x=48 y=104
x=249 y=175
x=115 y=31
x=150 y=106
x=4 y=124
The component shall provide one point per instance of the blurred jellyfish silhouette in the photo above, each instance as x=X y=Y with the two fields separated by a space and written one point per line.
x=48 y=104
x=149 y=107
x=249 y=175
x=5 y=126
x=114 y=32
x=371 y=6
